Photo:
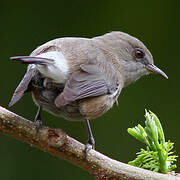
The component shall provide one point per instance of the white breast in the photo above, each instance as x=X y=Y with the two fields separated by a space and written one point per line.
x=58 y=71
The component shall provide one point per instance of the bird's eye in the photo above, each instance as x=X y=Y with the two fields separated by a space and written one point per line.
x=139 y=54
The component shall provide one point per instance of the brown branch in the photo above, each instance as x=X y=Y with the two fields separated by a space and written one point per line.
x=59 y=144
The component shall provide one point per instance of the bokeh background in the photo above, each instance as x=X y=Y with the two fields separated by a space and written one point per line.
x=24 y=25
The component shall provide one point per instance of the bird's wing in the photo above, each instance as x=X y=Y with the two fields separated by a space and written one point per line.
x=90 y=81
x=23 y=85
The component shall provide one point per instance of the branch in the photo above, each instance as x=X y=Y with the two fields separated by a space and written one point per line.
x=59 y=144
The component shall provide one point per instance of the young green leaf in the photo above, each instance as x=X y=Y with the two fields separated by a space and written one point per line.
x=158 y=155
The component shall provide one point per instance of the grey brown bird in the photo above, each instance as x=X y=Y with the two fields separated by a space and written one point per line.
x=81 y=78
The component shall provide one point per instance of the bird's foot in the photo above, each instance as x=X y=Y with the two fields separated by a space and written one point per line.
x=38 y=120
x=89 y=145
x=38 y=124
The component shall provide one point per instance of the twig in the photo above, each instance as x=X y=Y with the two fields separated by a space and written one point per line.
x=59 y=144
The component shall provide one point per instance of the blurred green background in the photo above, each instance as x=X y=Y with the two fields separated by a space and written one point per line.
x=24 y=25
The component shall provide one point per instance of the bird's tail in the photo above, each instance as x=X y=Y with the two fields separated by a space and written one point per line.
x=33 y=60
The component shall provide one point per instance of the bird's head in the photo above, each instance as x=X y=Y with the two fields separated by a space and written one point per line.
x=133 y=56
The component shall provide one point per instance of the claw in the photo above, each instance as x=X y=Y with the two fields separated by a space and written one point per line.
x=38 y=120
x=88 y=148
x=89 y=145
x=38 y=124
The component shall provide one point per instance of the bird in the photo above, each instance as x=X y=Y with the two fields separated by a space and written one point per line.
x=80 y=79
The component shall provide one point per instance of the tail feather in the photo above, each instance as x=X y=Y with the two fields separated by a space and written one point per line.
x=33 y=60
x=23 y=85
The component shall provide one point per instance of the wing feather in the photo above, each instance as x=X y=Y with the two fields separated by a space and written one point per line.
x=90 y=81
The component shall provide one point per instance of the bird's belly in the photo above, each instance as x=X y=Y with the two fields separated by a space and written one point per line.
x=68 y=112
x=44 y=94
x=45 y=98
x=89 y=108
x=95 y=106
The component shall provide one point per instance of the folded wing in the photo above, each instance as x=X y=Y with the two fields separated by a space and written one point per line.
x=90 y=81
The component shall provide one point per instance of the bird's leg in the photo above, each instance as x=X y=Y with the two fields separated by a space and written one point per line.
x=38 y=120
x=91 y=142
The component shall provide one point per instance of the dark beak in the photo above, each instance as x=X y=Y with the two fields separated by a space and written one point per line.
x=154 y=69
